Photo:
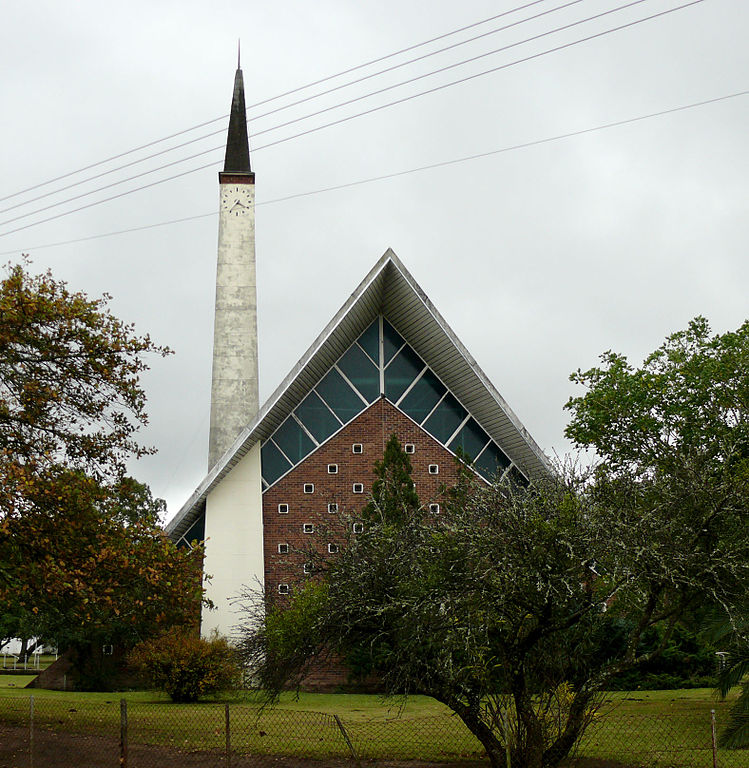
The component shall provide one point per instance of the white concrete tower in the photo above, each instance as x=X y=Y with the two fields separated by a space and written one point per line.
x=234 y=388
x=233 y=512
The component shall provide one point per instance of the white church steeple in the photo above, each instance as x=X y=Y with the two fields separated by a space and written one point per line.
x=234 y=388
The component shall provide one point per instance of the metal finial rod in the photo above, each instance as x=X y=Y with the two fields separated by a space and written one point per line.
x=238 y=55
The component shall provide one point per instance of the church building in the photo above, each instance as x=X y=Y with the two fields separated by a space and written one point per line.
x=386 y=363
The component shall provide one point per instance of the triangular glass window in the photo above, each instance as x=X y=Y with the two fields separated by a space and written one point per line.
x=391 y=341
x=369 y=341
x=337 y=393
x=361 y=372
x=357 y=380
x=401 y=372
x=317 y=418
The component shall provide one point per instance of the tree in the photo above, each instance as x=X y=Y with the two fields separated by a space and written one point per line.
x=69 y=379
x=394 y=498
x=82 y=556
x=673 y=442
x=491 y=608
x=517 y=607
x=92 y=565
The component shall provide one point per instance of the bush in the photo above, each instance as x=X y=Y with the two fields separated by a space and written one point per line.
x=185 y=665
x=687 y=661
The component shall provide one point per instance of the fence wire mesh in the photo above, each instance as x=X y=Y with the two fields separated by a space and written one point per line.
x=36 y=732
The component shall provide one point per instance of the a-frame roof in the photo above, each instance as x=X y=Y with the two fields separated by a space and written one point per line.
x=390 y=290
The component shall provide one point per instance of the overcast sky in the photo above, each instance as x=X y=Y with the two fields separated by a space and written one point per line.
x=540 y=258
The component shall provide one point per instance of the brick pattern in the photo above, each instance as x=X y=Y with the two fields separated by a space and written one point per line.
x=372 y=428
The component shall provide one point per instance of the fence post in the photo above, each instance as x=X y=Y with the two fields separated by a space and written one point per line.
x=347 y=740
x=31 y=732
x=228 y=737
x=123 y=733
x=506 y=735
x=715 y=744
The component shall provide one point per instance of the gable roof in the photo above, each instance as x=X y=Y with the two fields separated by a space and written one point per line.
x=390 y=290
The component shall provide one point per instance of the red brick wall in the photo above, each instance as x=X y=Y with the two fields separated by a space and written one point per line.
x=371 y=428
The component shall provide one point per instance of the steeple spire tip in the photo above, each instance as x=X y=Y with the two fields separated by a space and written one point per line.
x=237 y=158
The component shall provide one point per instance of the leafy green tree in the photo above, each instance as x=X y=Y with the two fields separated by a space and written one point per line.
x=69 y=378
x=491 y=608
x=91 y=568
x=673 y=442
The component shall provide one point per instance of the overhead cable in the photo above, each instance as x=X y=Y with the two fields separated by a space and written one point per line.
x=272 y=112
x=298 y=89
x=288 y=106
x=431 y=166
x=359 y=114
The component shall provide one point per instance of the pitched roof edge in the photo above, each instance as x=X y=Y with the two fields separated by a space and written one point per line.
x=253 y=431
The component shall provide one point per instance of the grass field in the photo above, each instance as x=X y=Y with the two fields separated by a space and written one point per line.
x=655 y=723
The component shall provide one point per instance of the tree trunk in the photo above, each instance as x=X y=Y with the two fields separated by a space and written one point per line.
x=572 y=731
x=471 y=716
x=529 y=750
x=26 y=649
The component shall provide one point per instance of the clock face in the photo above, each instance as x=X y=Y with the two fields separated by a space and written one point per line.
x=238 y=200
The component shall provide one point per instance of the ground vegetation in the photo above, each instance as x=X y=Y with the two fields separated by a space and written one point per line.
x=186 y=666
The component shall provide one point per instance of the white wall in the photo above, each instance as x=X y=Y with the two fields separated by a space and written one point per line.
x=234 y=542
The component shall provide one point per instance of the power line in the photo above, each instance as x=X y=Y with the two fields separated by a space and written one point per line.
x=476 y=58
x=350 y=117
x=396 y=174
x=275 y=98
x=284 y=107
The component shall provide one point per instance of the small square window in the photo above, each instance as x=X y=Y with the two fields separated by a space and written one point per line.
x=358 y=488
x=283 y=549
x=307 y=568
x=357 y=448
x=409 y=448
x=434 y=509
x=333 y=508
x=434 y=469
x=283 y=509
x=308 y=528
x=357 y=527
x=333 y=549
x=309 y=487
x=283 y=589
x=107 y=650
x=332 y=469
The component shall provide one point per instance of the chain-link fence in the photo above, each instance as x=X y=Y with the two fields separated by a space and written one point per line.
x=37 y=732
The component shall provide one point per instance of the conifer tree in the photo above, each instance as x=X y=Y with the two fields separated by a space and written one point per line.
x=394 y=498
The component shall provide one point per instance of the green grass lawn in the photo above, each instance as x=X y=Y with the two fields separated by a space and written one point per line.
x=631 y=725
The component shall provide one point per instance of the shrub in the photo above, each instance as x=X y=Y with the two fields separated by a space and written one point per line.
x=187 y=666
